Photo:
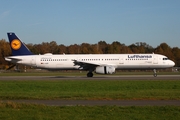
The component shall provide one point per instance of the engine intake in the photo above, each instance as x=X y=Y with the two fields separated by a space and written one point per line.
x=105 y=69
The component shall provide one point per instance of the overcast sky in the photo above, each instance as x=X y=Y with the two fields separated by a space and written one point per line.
x=90 y=21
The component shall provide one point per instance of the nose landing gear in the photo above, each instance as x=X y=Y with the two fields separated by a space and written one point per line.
x=155 y=74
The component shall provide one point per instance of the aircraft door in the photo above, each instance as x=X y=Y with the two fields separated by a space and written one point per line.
x=121 y=61
x=79 y=59
x=33 y=61
x=155 y=60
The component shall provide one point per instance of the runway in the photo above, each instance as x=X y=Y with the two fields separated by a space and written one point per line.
x=98 y=77
x=96 y=102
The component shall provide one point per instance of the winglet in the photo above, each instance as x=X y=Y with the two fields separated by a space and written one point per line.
x=18 y=48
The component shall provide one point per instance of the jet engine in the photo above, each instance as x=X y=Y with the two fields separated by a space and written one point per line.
x=105 y=69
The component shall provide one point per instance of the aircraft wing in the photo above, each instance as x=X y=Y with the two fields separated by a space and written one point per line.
x=85 y=65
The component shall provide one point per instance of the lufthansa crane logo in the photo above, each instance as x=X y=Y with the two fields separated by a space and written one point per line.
x=15 y=44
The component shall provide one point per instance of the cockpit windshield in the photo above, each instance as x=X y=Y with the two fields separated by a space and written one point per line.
x=165 y=59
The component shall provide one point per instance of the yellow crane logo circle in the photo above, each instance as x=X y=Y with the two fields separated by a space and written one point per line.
x=15 y=44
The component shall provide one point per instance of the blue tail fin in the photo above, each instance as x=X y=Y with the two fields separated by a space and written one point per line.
x=18 y=48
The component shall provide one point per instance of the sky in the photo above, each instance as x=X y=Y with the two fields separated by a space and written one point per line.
x=71 y=22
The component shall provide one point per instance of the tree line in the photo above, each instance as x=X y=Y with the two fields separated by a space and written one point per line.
x=100 y=48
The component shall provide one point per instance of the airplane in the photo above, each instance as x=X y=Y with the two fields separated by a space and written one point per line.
x=98 y=63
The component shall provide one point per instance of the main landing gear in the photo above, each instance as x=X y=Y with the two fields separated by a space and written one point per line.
x=155 y=74
x=89 y=74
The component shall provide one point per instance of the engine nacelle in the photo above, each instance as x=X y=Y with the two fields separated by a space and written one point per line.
x=105 y=69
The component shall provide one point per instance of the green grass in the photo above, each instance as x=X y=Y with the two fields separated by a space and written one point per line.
x=90 y=89
x=87 y=89
x=15 y=111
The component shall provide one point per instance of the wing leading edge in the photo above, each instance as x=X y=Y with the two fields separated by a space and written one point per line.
x=85 y=65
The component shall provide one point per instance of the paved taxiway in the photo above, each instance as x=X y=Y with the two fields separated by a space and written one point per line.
x=97 y=102
x=104 y=77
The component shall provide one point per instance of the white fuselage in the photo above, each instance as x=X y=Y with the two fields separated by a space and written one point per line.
x=118 y=61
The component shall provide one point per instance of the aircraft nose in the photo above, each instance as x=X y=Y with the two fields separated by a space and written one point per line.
x=172 y=63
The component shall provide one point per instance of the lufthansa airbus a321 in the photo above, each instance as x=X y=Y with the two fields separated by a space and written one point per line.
x=98 y=63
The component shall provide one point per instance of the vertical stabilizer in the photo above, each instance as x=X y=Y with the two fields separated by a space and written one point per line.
x=18 y=48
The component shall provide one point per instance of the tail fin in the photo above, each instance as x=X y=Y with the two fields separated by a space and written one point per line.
x=18 y=48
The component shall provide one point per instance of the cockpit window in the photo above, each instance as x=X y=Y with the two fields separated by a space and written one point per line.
x=165 y=59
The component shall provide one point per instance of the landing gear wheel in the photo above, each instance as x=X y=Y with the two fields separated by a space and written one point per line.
x=155 y=74
x=89 y=74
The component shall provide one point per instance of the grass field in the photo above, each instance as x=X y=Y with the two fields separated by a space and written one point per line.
x=87 y=89
x=14 y=111
x=90 y=89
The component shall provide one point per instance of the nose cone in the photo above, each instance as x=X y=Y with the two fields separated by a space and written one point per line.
x=172 y=63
